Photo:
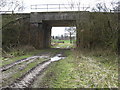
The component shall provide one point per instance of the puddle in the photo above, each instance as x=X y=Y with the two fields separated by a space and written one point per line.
x=29 y=77
x=57 y=47
x=57 y=57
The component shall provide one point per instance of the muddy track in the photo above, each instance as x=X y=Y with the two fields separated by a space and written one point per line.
x=6 y=67
x=20 y=78
x=26 y=80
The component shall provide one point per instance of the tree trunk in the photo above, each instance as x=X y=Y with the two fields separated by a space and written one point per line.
x=70 y=38
x=118 y=43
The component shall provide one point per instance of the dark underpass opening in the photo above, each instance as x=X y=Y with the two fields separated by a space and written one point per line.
x=63 y=37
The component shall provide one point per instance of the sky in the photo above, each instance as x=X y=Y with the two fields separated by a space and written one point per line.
x=86 y=3
x=60 y=30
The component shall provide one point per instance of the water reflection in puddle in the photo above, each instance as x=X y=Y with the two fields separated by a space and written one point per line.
x=57 y=57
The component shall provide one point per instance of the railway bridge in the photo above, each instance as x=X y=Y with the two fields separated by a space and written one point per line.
x=46 y=20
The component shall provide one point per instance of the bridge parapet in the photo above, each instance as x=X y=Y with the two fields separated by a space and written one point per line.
x=38 y=17
x=59 y=7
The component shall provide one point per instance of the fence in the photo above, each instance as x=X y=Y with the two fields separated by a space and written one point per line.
x=1 y=12
x=59 y=7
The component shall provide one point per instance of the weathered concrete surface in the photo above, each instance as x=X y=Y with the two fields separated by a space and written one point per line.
x=47 y=20
x=58 y=18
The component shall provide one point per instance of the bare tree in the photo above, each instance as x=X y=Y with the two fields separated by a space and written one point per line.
x=11 y=5
x=101 y=7
x=77 y=6
x=71 y=31
x=116 y=6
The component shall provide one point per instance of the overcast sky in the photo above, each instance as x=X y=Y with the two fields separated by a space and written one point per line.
x=86 y=3
x=60 y=30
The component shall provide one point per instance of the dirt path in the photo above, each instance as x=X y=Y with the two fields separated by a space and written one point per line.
x=18 y=69
x=6 y=67
x=27 y=79
x=10 y=71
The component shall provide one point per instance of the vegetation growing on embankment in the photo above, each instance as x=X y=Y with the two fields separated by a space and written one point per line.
x=17 y=31
x=18 y=53
x=100 y=31
x=82 y=69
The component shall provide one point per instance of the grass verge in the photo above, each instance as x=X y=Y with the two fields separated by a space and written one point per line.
x=80 y=70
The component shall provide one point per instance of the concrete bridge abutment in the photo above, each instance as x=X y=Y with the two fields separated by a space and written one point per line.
x=46 y=20
x=43 y=35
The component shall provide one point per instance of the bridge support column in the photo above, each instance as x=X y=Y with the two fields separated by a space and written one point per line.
x=40 y=35
x=79 y=36
x=37 y=35
x=78 y=39
x=44 y=36
x=47 y=35
x=82 y=26
x=83 y=31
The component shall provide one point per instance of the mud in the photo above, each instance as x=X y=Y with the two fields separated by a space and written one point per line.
x=29 y=59
x=26 y=80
